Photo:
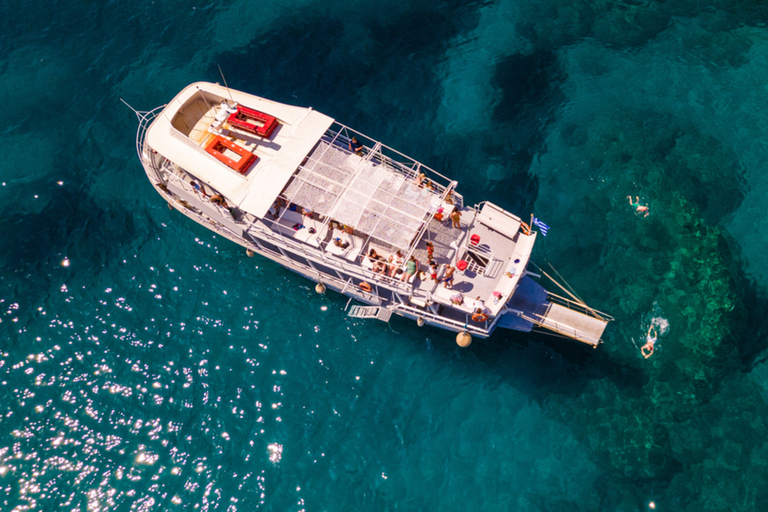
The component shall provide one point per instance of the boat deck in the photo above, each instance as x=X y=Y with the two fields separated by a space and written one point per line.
x=291 y=190
x=386 y=203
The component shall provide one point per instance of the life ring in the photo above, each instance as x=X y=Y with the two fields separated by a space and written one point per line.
x=480 y=317
x=526 y=228
x=365 y=286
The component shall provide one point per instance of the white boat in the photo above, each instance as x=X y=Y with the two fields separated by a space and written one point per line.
x=295 y=186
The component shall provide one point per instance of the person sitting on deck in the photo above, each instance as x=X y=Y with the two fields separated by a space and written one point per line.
x=373 y=256
x=411 y=267
x=356 y=147
x=423 y=182
x=219 y=200
x=338 y=242
x=395 y=262
x=379 y=267
x=274 y=210
x=650 y=341
x=479 y=304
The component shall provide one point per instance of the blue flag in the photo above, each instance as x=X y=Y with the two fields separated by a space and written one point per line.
x=543 y=227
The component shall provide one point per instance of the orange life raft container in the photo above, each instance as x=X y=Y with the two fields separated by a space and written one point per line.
x=244 y=118
x=218 y=147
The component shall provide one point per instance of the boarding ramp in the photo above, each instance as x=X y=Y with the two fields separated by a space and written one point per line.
x=574 y=324
x=533 y=306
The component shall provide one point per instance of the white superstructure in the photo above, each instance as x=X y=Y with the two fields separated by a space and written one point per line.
x=293 y=185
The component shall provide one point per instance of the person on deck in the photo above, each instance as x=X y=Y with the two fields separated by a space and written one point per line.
x=479 y=304
x=433 y=270
x=274 y=210
x=448 y=277
x=379 y=267
x=411 y=267
x=338 y=242
x=650 y=341
x=395 y=262
x=355 y=146
x=199 y=188
x=373 y=255
x=219 y=200
x=456 y=217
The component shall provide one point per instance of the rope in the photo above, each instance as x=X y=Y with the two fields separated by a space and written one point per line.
x=566 y=283
x=577 y=299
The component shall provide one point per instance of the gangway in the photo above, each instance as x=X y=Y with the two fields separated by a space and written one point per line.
x=533 y=306
x=566 y=321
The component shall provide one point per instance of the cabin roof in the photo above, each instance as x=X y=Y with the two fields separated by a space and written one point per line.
x=279 y=155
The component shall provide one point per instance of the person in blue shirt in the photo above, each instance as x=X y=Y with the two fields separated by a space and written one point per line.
x=199 y=188
x=356 y=146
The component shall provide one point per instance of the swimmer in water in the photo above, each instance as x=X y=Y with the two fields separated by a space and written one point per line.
x=650 y=341
x=639 y=208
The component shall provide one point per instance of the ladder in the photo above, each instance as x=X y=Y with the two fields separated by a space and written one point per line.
x=379 y=313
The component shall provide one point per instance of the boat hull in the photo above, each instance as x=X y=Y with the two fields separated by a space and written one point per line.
x=282 y=195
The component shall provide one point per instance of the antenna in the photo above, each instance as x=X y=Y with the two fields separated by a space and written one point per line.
x=203 y=96
x=138 y=114
x=225 y=83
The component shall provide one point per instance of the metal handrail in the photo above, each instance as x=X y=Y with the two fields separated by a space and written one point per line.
x=440 y=319
x=187 y=187
x=577 y=306
x=145 y=119
x=355 y=269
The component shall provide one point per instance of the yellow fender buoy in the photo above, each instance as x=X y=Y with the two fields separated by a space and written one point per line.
x=463 y=339
x=250 y=253
x=420 y=322
x=320 y=288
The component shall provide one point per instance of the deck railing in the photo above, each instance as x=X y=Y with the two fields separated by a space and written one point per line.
x=440 y=319
x=578 y=306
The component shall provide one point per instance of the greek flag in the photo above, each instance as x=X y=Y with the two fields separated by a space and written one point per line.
x=543 y=227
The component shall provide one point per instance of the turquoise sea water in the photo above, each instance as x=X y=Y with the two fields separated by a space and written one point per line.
x=147 y=364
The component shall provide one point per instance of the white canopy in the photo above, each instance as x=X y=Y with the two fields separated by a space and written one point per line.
x=372 y=197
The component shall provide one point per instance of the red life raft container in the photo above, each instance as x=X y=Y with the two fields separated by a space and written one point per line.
x=219 y=145
x=245 y=119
